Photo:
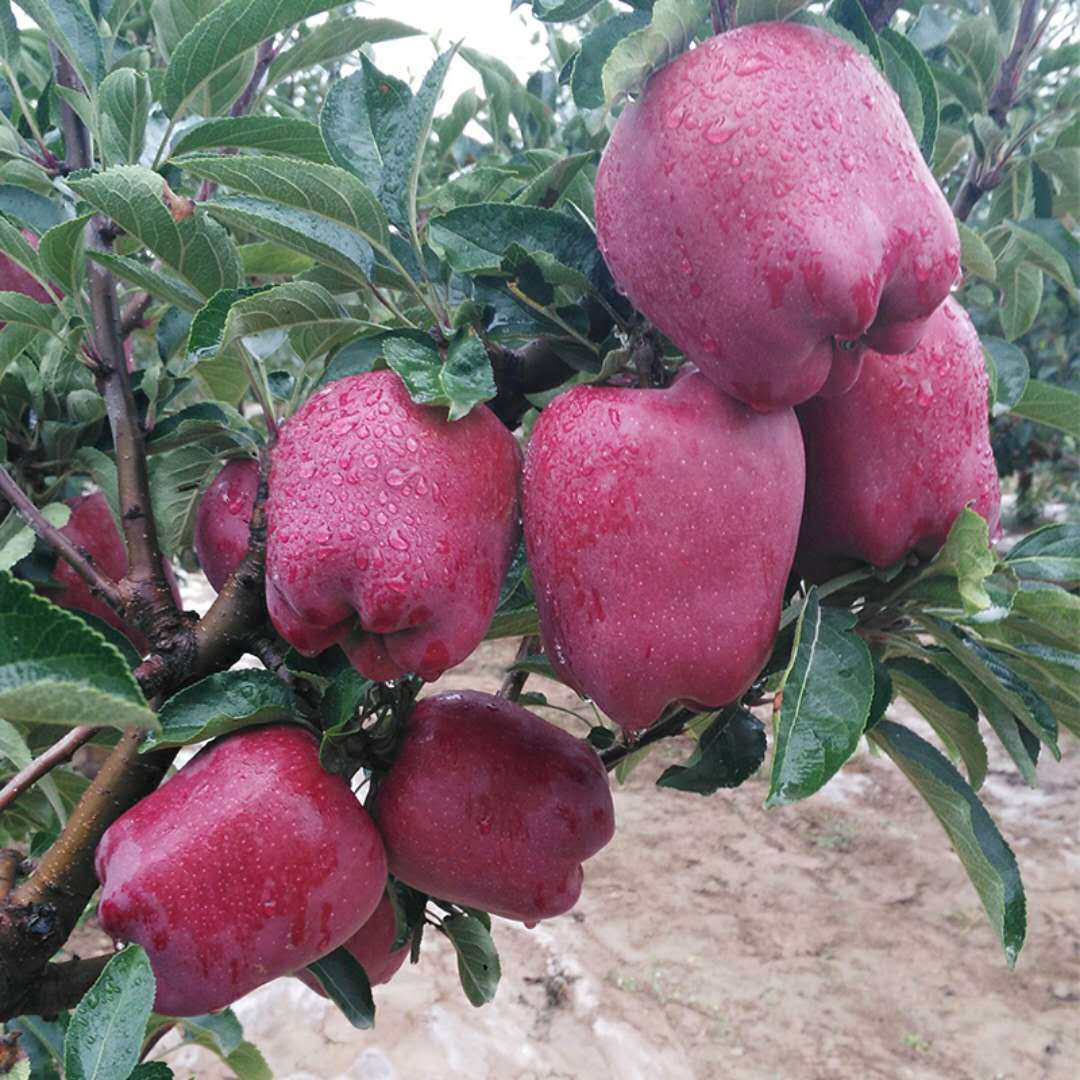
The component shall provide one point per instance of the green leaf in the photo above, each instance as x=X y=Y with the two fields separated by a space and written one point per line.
x=156 y=282
x=63 y=253
x=752 y=11
x=967 y=556
x=975 y=257
x=903 y=81
x=924 y=80
x=1051 y=553
x=363 y=354
x=828 y=688
x=220 y=704
x=105 y=1033
x=19 y=544
x=15 y=307
x=476 y=239
x=1023 y=285
x=267 y=259
x=323 y=190
x=295 y=306
x=562 y=10
x=1010 y=368
x=465 y=378
x=218 y=38
x=302 y=231
x=549 y=185
x=55 y=670
x=1042 y=252
x=945 y=706
x=346 y=984
x=16 y=247
x=988 y=860
x=221 y=1034
x=198 y=249
x=177 y=479
x=274 y=134
x=1042 y=613
x=69 y=26
x=151 y=1070
x=14 y=748
x=15 y=339
x=123 y=109
x=335 y=38
x=633 y=59
x=974 y=42
x=729 y=751
x=586 y=83
x=1055 y=406
x=478 y=962
x=851 y=15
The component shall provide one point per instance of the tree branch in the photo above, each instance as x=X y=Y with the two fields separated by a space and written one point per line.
x=59 y=752
x=977 y=179
x=662 y=729
x=62 y=985
x=76 y=138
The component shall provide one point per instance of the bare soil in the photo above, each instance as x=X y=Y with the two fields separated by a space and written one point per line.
x=835 y=938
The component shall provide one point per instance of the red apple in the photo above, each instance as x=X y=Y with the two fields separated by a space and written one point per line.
x=251 y=862
x=372 y=947
x=92 y=528
x=891 y=463
x=489 y=806
x=390 y=528
x=765 y=205
x=223 y=520
x=660 y=527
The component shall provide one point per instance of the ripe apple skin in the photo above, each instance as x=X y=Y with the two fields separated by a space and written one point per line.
x=763 y=201
x=371 y=946
x=223 y=520
x=489 y=806
x=390 y=528
x=249 y=863
x=891 y=463
x=660 y=528
x=92 y=528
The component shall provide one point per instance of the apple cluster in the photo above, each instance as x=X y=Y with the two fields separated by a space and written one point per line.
x=765 y=205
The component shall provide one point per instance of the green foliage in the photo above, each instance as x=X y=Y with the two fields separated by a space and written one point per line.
x=345 y=982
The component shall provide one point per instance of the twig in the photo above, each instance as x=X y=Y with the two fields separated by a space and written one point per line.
x=63 y=985
x=100 y=585
x=134 y=313
x=978 y=182
x=59 y=752
x=662 y=729
x=514 y=682
x=721 y=15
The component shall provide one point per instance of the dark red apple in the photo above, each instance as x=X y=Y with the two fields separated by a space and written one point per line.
x=891 y=463
x=489 y=806
x=765 y=205
x=390 y=528
x=251 y=862
x=660 y=527
x=372 y=947
x=92 y=528
x=223 y=520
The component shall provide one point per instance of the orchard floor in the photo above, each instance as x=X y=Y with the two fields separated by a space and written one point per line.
x=715 y=941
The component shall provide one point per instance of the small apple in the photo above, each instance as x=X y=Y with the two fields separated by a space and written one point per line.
x=765 y=205
x=891 y=463
x=390 y=529
x=92 y=528
x=660 y=527
x=251 y=862
x=489 y=806
x=223 y=520
x=372 y=947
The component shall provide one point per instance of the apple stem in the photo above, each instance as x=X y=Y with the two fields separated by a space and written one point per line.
x=664 y=728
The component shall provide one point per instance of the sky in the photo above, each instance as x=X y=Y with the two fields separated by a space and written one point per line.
x=488 y=26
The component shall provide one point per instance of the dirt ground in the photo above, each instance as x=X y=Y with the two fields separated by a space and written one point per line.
x=835 y=938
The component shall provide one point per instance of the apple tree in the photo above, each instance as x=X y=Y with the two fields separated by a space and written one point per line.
x=678 y=360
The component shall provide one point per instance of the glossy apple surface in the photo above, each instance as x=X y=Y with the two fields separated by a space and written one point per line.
x=390 y=528
x=489 y=806
x=223 y=520
x=660 y=527
x=891 y=463
x=764 y=201
x=249 y=863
